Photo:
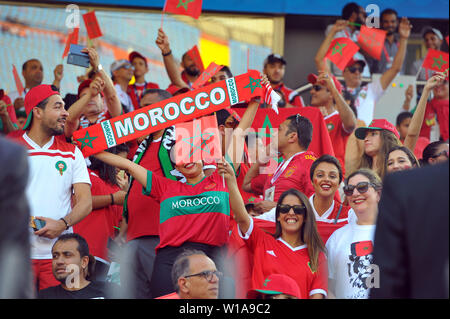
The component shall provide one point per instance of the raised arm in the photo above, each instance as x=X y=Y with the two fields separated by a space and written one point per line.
x=404 y=31
x=58 y=72
x=417 y=119
x=172 y=68
x=323 y=49
x=112 y=100
x=236 y=202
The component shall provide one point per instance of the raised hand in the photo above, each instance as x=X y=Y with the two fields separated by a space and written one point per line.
x=404 y=28
x=162 y=41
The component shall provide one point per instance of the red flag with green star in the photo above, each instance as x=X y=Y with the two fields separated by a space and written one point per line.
x=197 y=140
x=436 y=61
x=191 y=8
x=92 y=25
x=372 y=40
x=341 y=51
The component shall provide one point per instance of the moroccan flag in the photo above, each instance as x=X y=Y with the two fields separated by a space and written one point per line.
x=197 y=140
x=92 y=26
x=194 y=54
x=341 y=51
x=371 y=40
x=19 y=85
x=72 y=38
x=361 y=248
x=191 y=8
x=210 y=71
x=436 y=61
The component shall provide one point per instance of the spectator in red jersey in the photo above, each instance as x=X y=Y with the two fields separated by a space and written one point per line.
x=402 y=124
x=326 y=176
x=379 y=137
x=400 y=158
x=274 y=68
x=90 y=107
x=435 y=153
x=194 y=276
x=136 y=90
x=33 y=74
x=350 y=247
x=8 y=120
x=295 y=249
x=326 y=93
x=294 y=136
x=108 y=193
x=276 y=286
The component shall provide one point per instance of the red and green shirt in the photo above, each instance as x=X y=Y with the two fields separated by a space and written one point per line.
x=191 y=213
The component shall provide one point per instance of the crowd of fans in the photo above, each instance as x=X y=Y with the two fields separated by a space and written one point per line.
x=109 y=226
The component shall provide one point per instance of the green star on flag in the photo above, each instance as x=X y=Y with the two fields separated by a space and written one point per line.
x=439 y=62
x=253 y=84
x=184 y=4
x=86 y=140
x=338 y=48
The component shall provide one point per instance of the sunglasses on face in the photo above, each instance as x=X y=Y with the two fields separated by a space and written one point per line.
x=207 y=274
x=317 y=88
x=353 y=69
x=443 y=153
x=362 y=188
x=298 y=209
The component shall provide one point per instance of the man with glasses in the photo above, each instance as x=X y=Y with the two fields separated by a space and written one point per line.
x=194 y=276
x=122 y=72
x=365 y=96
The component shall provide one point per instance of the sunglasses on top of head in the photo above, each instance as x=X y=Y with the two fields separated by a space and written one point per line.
x=362 y=188
x=298 y=209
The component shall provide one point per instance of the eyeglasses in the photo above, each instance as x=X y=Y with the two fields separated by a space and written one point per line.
x=353 y=69
x=443 y=153
x=207 y=274
x=362 y=188
x=298 y=209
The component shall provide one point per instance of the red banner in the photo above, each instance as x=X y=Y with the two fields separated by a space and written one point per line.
x=194 y=54
x=192 y=8
x=210 y=71
x=266 y=120
x=72 y=38
x=180 y=108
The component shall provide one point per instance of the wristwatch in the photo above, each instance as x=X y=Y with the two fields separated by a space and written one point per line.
x=99 y=68
x=65 y=222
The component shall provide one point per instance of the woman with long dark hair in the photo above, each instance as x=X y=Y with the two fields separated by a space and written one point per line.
x=400 y=158
x=295 y=249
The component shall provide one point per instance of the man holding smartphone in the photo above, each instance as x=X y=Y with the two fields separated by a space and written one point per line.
x=57 y=169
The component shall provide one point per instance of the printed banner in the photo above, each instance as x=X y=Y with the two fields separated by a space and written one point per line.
x=180 y=108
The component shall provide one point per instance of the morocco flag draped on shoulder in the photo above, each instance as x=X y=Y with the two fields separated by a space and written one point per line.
x=341 y=51
x=177 y=109
x=192 y=8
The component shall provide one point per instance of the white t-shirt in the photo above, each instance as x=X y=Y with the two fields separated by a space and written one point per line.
x=124 y=98
x=349 y=257
x=54 y=168
x=367 y=97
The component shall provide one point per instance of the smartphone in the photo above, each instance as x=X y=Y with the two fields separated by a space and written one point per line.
x=76 y=57
x=36 y=224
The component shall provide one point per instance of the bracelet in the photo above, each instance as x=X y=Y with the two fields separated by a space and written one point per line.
x=112 y=199
x=65 y=222
x=168 y=53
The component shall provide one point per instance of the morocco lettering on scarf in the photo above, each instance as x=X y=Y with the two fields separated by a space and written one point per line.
x=180 y=108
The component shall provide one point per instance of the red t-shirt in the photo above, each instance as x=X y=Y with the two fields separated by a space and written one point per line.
x=295 y=175
x=143 y=211
x=99 y=224
x=275 y=256
x=436 y=108
x=135 y=92
x=338 y=136
x=197 y=213
x=290 y=96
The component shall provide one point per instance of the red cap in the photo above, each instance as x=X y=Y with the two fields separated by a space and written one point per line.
x=253 y=200
x=136 y=54
x=353 y=61
x=276 y=284
x=312 y=78
x=380 y=124
x=85 y=84
x=35 y=96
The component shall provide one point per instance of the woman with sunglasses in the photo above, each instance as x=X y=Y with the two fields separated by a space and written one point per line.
x=400 y=158
x=326 y=176
x=295 y=249
x=350 y=247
